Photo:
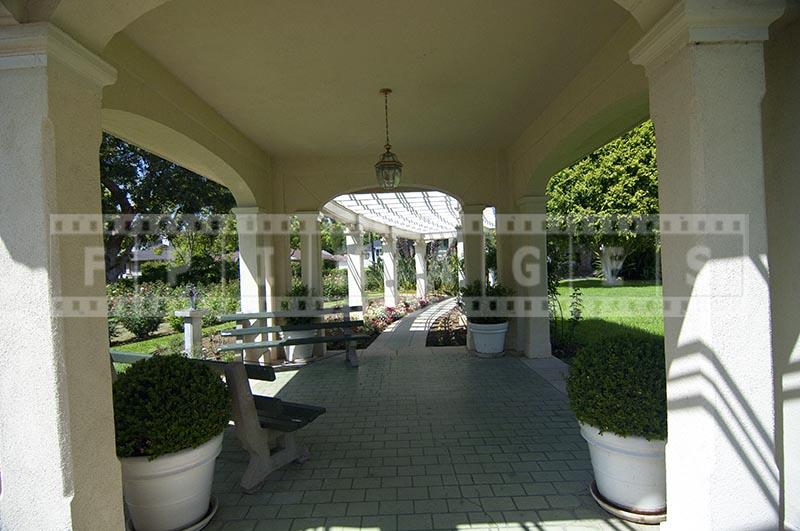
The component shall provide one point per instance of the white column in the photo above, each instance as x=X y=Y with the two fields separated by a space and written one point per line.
x=389 y=256
x=705 y=64
x=59 y=465
x=474 y=251
x=529 y=267
x=311 y=261
x=421 y=267
x=356 y=280
x=781 y=138
x=252 y=259
x=506 y=245
x=252 y=270
x=310 y=252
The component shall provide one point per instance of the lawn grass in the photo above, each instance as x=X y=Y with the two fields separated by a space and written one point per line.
x=148 y=346
x=634 y=307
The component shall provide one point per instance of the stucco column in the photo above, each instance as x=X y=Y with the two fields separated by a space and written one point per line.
x=389 y=257
x=311 y=261
x=474 y=252
x=59 y=465
x=280 y=259
x=705 y=64
x=253 y=260
x=506 y=245
x=421 y=267
x=356 y=280
x=310 y=252
x=529 y=269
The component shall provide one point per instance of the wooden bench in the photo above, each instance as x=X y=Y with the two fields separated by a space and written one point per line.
x=345 y=325
x=264 y=425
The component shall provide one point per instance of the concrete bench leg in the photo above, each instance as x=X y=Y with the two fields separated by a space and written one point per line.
x=269 y=449
x=351 y=357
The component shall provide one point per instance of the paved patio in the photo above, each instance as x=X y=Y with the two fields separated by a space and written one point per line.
x=421 y=438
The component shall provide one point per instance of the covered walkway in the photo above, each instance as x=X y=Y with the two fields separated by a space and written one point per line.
x=421 y=438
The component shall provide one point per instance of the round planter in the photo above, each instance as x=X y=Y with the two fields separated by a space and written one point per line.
x=299 y=353
x=172 y=491
x=630 y=472
x=488 y=338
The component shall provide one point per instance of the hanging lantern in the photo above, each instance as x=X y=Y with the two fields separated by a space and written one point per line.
x=388 y=169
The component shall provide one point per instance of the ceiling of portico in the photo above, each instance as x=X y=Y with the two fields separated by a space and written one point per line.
x=301 y=77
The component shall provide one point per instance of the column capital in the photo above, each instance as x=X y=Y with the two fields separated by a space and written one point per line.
x=532 y=204
x=34 y=45
x=704 y=22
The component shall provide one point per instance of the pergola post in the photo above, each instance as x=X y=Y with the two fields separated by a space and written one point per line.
x=474 y=252
x=356 y=280
x=420 y=267
x=253 y=261
x=389 y=256
x=59 y=467
x=460 y=253
x=529 y=266
x=706 y=74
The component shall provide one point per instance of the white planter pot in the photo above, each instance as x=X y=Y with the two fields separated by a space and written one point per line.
x=299 y=352
x=630 y=472
x=488 y=338
x=172 y=491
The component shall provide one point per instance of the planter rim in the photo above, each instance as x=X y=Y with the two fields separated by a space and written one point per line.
x=631 y=444
x=172 y=463
x=488 y=326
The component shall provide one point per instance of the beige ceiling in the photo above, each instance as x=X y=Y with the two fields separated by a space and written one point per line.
x=302 y=76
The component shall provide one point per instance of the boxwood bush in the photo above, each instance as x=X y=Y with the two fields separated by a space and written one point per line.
x=165 y=404
x=618 y=384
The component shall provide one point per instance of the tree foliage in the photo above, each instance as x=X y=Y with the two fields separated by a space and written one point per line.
x=619 y=178
x=136 y=182
x=607 y=191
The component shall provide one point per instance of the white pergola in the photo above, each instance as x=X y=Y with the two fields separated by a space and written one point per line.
x=415 y=215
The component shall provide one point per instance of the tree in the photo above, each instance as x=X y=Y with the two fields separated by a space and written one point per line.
x=607 y=191
x=135 y=182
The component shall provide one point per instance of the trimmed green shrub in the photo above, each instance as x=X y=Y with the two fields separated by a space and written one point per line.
x=142 y=311
x=473 y=291
x=153 y=272
x=618 y=384
x=165 y=404
x=299 y=290
x=334 y=284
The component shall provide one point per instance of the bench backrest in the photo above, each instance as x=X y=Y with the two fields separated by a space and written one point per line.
x=255 y=371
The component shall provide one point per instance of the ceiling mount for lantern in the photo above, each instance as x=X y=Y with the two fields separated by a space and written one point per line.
x=388 y=169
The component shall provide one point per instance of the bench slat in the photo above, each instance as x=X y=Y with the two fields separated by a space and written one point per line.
x=289 y=313
x=255 y=371
x=255 y=330
x=289 y=342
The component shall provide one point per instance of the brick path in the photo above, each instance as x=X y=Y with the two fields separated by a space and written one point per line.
x=421 y=438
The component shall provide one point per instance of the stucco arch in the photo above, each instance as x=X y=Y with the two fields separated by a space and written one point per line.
x=600 y=128
x=178 y=148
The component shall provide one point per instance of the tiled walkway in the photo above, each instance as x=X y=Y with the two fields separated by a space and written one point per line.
x=421 y=438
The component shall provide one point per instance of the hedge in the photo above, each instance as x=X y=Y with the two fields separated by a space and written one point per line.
x=618 y=384
x=165 y=404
